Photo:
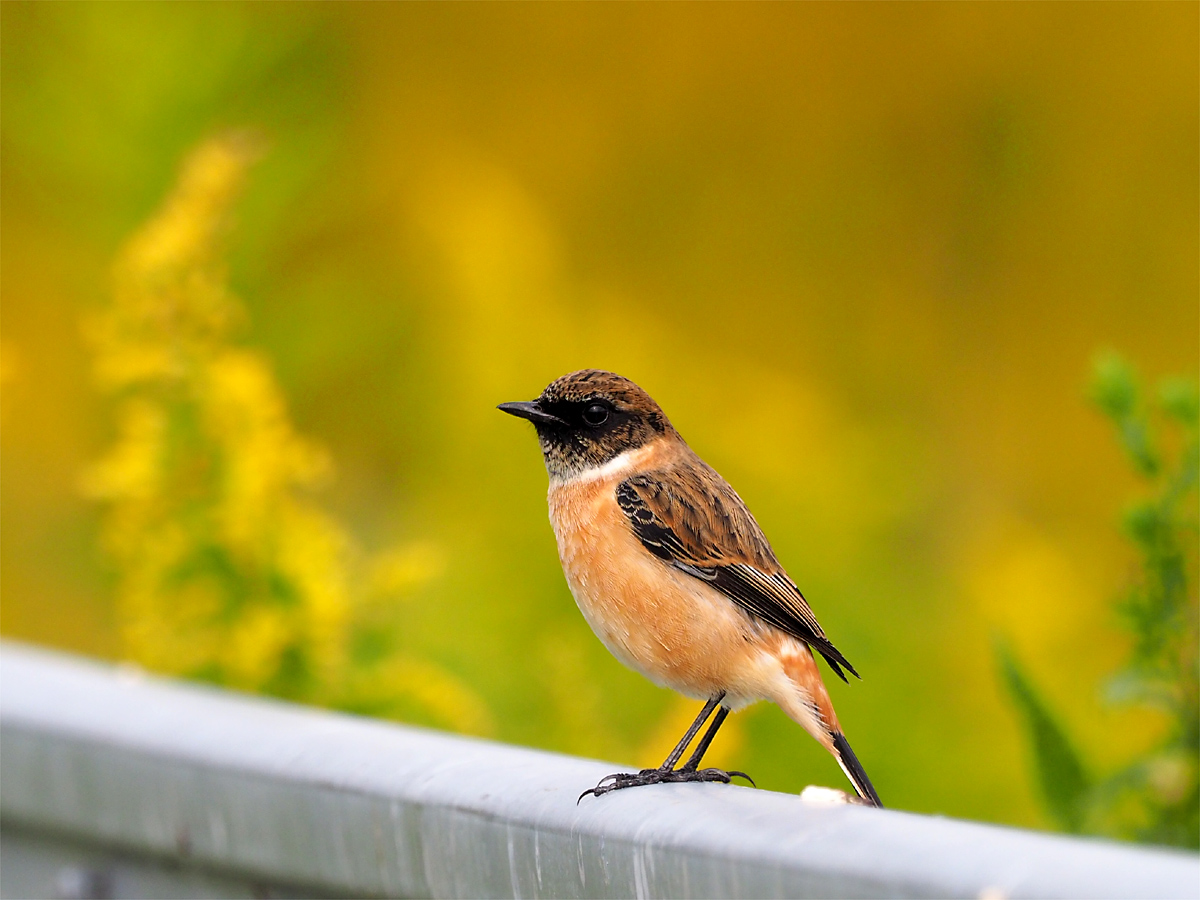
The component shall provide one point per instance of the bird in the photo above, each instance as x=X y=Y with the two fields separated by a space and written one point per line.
x=674 y=575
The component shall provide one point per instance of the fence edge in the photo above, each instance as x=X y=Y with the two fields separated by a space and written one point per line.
x=284 y=794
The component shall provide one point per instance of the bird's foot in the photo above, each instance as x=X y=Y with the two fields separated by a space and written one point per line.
x=661 y=776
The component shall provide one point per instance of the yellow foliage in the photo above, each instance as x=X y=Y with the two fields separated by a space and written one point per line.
x=226 y=569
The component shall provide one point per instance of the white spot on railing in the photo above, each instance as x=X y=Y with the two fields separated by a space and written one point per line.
x=824 y=796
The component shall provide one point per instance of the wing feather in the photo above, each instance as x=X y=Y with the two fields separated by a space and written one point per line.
x=690 y=517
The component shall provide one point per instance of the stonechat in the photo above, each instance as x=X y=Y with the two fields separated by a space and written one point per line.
x=673 y=573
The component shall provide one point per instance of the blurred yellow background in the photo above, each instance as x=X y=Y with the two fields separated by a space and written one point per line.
x=861 y=254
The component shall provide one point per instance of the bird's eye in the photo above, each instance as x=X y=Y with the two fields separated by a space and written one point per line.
x=595 y=415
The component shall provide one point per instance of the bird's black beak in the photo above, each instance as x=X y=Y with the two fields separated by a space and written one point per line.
x=529 y=409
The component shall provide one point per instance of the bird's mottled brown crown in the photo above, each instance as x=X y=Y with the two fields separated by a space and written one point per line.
x=589 y=417
x=589 y=384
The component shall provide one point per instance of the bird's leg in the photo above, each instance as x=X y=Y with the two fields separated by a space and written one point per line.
x=693 y=763
x=673 y=756
x=655 y=776
x=667 y=771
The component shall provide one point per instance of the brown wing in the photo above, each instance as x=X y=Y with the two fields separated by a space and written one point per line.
x=690 y=517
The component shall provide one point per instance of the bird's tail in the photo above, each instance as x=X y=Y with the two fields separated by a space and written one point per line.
x=854 y=770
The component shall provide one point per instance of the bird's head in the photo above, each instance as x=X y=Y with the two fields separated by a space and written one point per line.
x=589 y=417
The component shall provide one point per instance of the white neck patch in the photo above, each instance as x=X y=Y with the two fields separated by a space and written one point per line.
x=622 y=464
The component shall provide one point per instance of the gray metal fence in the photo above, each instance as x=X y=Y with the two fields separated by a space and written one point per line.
x=117 y=784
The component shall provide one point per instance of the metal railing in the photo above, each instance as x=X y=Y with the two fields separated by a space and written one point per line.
x=117 y=784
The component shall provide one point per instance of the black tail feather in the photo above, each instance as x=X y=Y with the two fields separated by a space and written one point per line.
x=854 y=770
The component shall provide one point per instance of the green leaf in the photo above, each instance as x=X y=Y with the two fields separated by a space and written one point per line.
x=1114 y=388
x=1064 y=781
x=1143 y=521
x=1180 y=399
x=1114 y=385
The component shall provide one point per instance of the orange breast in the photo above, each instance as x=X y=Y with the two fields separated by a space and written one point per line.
x=671 y=627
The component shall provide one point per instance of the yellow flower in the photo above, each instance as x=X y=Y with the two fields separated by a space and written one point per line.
x=226 y=569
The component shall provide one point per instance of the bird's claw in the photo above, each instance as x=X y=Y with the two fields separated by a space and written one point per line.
x=622 y=780
x=732 y=772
